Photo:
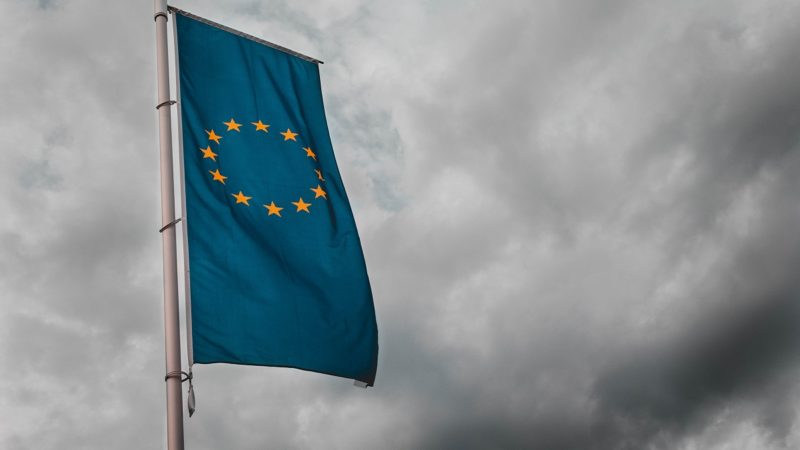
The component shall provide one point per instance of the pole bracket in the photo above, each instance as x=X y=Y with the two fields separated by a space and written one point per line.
x=179 y=374
x=171 y=224
x=183 y=376
x=168 y=102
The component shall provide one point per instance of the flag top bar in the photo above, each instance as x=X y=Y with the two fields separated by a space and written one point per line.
x=244 y=35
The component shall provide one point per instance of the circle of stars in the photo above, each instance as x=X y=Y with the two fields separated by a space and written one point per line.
x=272 y=208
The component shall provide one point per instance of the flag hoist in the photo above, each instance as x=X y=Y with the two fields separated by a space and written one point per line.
x=275 y=274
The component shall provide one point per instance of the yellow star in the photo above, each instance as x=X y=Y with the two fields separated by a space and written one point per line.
x=207 y=153
x=261 y=126
x=273 y=209
x=309 y=153
x=319 y=192
x=241 y=198
x=319 y=175
x=288 y=135
x=218 y=176
x=302 y=206
x=232 y=125
x=213 y=136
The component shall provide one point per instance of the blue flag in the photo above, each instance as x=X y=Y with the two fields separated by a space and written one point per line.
x=276 y=272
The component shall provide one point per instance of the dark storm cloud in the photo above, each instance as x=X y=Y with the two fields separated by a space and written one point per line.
x=668 y=390
x=579 y=221
x=741 y=346
x=732 y=111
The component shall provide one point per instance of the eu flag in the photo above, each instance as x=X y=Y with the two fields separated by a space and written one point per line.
x=276 y=272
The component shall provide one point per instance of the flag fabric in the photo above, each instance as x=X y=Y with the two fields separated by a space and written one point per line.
x=276 y=272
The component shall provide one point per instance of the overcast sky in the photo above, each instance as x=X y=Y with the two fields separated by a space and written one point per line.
x=580 y=221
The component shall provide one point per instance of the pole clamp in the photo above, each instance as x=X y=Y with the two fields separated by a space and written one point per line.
x=179 y=374
x=168 y=102
x=183 y=376
x=171 y=224
x=160 y=14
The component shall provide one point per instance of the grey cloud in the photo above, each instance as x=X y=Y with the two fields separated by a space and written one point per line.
x=579 y=221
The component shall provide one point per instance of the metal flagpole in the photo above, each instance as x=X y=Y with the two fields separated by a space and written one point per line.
x=170 y=260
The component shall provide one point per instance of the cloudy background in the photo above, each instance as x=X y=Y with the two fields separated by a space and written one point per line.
x=580 y=221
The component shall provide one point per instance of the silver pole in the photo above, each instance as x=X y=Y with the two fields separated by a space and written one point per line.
x=170 y=260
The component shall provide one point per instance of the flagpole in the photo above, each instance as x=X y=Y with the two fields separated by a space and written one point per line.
x=170 y=260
